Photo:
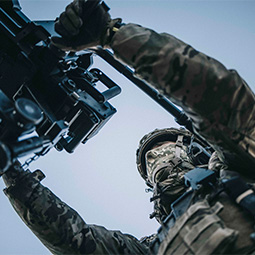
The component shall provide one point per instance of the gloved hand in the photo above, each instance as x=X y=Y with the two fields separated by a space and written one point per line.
x=83 y=24
x=14 y=173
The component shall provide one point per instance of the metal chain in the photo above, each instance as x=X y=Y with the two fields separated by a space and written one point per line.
x=29 y=161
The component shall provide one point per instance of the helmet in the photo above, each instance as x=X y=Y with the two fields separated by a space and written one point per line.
x=163 y=158
x=154 y=137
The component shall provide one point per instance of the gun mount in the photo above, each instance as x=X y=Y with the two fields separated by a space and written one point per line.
x=47 y=98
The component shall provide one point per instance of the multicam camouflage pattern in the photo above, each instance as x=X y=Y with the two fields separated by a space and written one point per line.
x=157 y=136
x=218 y=100
x=162 y=158
x=60 y=228
x=166 y=174
x=199 y=231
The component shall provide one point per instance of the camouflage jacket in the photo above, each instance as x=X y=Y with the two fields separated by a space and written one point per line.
x=60 y=228
x=219 y=102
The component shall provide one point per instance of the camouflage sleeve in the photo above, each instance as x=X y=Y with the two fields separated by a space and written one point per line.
x=219 y=102
x=59 y=227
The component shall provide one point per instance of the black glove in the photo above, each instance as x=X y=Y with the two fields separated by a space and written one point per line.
x=14 y=173
x=19 y=181
x=84 y=24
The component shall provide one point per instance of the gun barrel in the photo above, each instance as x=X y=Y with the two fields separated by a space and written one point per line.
x=180 y=117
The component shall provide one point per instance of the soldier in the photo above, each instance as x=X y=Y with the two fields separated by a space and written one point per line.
x=216 y=217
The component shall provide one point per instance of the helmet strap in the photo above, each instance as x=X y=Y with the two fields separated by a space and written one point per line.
x=178 y=146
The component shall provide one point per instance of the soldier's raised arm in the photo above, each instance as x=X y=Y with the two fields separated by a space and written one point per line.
x=218 y=100
x=58 y=226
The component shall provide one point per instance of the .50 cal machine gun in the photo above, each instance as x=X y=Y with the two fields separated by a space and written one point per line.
x=49 y=99
x=45 y=93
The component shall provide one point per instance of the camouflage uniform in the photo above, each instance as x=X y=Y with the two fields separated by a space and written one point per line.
x=59 y=227
x=218 y=100
x=221 y=106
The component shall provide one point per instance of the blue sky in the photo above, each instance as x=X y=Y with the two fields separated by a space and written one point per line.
x=100 y=179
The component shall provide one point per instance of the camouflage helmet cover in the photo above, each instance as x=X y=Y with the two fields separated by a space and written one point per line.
x=154 y=137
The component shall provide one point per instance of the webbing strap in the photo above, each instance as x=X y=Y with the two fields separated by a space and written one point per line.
x=241 y=193
x=244 y=195
x=170 y=165
x=219 y=236
x=181 y=221
x=196 y=230
x=217 y=207
x=191 y=234
x=215 y=240
x=178 y=146
x=181 y=249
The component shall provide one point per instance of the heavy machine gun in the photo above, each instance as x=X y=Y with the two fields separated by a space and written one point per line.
x=49 y=99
